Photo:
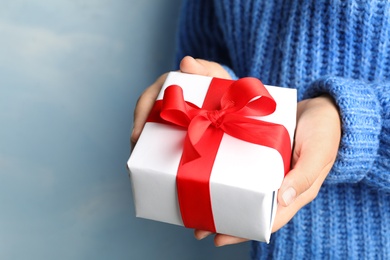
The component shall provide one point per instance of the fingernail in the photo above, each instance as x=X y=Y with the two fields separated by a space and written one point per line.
x=203 y=235
x=132 y=140
x=289 y=196
x=132 y=132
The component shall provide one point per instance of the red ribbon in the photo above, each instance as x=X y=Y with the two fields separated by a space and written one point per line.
x=225 y=109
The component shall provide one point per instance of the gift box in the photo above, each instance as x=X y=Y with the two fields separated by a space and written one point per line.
x=213 y=154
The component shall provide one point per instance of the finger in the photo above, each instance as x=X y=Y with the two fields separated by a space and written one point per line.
x=189 y=65
x=223 y=240
x=203 y=67
x=143 y=107
x=200 y=234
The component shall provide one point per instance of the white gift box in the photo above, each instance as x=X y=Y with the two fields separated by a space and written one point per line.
x=244 y=179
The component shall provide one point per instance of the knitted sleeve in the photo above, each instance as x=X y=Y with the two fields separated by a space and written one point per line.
x=199 y=34
x=364 y=152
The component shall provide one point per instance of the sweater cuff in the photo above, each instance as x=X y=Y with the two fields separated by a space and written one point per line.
x=361 y=125
x=379 y=175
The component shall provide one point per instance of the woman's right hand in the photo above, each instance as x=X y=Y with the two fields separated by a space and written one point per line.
x=144 y=105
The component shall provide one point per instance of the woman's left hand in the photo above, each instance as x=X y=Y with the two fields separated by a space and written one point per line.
x=316 y=143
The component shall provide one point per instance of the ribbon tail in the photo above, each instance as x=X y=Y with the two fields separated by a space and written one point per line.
x=191 y=153
x=193 y=179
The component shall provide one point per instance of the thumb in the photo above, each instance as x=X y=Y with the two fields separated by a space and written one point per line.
x=203 y=67
x=307 y=170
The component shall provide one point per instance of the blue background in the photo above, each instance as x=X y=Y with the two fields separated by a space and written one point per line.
x=70 y=74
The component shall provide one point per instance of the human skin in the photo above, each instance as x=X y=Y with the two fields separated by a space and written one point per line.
x=316 y=143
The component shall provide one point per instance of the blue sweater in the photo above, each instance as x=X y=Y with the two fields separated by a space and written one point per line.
x=339 y=47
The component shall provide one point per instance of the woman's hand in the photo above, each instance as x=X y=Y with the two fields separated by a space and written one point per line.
x=317 y=139
x=316 y=144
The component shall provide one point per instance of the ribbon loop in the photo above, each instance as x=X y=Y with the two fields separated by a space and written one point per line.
x=174 y=108
x=250 y=98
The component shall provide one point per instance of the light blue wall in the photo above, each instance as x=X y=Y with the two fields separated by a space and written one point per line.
x=70 y=74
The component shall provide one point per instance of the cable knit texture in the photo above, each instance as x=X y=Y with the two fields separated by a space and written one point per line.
x=341 y=48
